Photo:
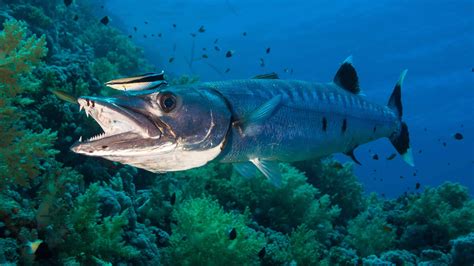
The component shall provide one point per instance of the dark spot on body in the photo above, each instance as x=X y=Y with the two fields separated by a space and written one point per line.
x=344 y=125
x=325 y=124
x=91 y=151
x=458 y=136
x=93 y=103
x=105 y=147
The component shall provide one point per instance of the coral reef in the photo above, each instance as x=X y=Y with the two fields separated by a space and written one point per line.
x=88 y=211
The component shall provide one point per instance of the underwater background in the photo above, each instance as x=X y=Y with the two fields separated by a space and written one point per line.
x=60 y=208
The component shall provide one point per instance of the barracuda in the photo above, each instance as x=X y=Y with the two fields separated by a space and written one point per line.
x=252 y=123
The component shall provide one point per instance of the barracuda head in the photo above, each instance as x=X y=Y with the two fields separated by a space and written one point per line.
x=170 y=129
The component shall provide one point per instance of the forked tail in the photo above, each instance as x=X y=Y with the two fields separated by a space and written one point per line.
x=400 y=139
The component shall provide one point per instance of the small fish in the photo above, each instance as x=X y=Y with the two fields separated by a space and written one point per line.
x=232 y=234
x=375 y=157
x=401 y=177
x=420 y=151
x=67 y=2
x=227 y=70
x=152 y=35
x=204 y=48
x=146 y=22
x=458 y=136
x=105 y=20
x=174 y=25
x=130 y=36
x=444 y=144
x=159 y=35
x=414 y=173
x=33 y=246
x=135 y=29
x=65 y=96
x=262 y=253
x=244 y=33
x=387 y=228
x=391 y=156
x=338 y=166
x=229 y=53
x=171 y=60
x=173 y=198
x=215 y=41
x=205 y=56
x=201 y=29
x=217 y=48
x=193 y=34
x=76 y=18
x=262 y=62
x=417 y=186
x=142 y=82
x=144 y=36
x=267 y=50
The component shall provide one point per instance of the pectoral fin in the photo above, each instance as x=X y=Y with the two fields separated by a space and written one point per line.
x=269 y=169
x=260 y=114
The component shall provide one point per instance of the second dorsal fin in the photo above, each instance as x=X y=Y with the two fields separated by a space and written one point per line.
x=346 y=77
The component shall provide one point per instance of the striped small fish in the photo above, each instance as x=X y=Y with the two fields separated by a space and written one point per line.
x=143 y=82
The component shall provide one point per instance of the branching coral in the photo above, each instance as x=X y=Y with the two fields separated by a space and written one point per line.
x=203 y=235
x=437 y=216
x=21 y=151
x=339 y=182
x=92 y=235
x=369 y=233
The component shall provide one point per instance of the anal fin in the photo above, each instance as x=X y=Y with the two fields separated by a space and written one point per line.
x=350 y=153
x=269 y=169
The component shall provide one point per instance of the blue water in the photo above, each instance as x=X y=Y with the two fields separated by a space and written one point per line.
x=433 y=39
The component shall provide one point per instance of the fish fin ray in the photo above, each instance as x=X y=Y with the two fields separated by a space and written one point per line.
x=269 y=169
x=346 y=77
x=245 y=169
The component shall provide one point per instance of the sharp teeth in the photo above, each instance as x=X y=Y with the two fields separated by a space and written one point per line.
x=81 y=107
x=80 y=139
x=87 y=113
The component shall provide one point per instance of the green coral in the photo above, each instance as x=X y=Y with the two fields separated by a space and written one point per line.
x=93 y=236
x=201 y=236
x=22 y=151
x=339 y=182
x=439 y=214
x=369 y=233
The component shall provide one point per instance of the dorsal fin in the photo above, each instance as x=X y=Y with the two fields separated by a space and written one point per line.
x=272 y=75
x=346 y=77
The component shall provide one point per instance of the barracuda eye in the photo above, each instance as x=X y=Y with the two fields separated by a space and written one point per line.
x=167 y=102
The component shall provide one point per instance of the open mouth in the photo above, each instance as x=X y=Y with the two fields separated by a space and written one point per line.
x=116 y=120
